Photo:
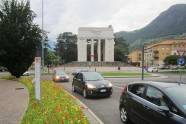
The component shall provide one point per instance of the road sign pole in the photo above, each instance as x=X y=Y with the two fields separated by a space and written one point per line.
x=181 y=61
x=142 y=76
x=37 y=77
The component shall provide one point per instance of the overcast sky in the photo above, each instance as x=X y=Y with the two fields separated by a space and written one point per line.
x=124 y=15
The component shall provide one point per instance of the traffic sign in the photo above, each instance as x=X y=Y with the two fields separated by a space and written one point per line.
x=181 y=61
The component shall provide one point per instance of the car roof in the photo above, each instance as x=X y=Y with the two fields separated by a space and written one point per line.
x=160 y=85
x=85 y=72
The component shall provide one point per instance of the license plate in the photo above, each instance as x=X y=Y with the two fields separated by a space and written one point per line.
x=103 y=90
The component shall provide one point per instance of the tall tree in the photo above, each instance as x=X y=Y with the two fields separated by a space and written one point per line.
x=19 y=36
x=66 y=47
x=121 y=50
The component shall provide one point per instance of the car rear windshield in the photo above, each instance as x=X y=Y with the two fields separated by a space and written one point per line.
x=178 y=94
x=60 y=73
x=92 y=76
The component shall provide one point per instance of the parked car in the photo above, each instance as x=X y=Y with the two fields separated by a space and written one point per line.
x=91 y=84
x=60 y=76
x=163 y=66
x=3 y=69
x=152 y=69
x=153 y=103
x=174 y=67
x=27 y=73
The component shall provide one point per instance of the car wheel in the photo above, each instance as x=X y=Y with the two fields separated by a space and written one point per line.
x=124 y=115
x=84 y=93
x=73 y=88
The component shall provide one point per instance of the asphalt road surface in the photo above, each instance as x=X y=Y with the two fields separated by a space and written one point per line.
x=107 y=108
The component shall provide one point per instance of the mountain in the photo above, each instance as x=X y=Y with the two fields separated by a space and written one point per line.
x=170 y=22
x=51 y=45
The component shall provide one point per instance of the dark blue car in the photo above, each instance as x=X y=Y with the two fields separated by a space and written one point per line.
x=153 y=103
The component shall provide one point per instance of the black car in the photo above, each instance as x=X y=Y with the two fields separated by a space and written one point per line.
x=153 y=103
x=91 y=84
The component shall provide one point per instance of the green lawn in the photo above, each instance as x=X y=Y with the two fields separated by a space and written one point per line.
x=56 y=106
x=123 y=74
x=174 y=72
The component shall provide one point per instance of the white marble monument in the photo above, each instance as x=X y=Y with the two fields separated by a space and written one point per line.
x=102 y=38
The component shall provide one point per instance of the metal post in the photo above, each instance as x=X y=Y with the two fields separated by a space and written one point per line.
x=42 y=43
x=142 y=76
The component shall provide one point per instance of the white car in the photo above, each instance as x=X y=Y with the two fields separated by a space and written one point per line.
x=27 y=73
x=152 y=69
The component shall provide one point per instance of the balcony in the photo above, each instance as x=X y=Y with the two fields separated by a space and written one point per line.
x=156 y=57
x=156 y=52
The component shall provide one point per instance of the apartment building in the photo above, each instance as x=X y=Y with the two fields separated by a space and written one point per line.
x=155 y=53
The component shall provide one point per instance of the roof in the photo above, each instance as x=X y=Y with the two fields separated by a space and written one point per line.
x=166 y=42
x=161 y=85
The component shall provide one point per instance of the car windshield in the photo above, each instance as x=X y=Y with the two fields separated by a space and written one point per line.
x=178 y=94
x=60 y=73
x=92 y=76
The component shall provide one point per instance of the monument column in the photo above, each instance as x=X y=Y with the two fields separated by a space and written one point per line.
x=92 y=50
x=82 y=50
x=109 y=50
x=99 y=50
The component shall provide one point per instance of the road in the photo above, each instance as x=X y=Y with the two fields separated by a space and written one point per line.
x=107 y=108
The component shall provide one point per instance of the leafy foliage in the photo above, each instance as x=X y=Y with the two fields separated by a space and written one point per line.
x=121 y=50
x=66 y=47
x=19 y=37
x=51 y=58
x=172 y=60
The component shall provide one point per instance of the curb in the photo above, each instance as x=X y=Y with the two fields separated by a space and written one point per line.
x=87 y=111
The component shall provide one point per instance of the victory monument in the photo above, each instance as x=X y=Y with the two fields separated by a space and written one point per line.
x=101 y=38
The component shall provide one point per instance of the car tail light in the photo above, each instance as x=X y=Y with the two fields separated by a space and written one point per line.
x=124 y=89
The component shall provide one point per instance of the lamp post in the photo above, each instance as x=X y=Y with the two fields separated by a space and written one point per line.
x=142 y=75
x=65 y=48
x=42 y=42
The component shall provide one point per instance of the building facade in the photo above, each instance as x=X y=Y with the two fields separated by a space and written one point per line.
x=156 y=53
x=135 y=57
x=101 y=39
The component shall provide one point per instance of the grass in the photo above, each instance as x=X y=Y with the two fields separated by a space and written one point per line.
x=55 y=107
x=123 y=74
x=174 y=72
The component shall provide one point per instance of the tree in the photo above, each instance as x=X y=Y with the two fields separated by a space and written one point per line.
x=172 y=60
x=121 y=50
x=66 y=47
x=19 y=36
x=51 y=58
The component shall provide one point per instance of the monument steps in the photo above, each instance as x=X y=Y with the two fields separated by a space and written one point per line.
x=95 y=64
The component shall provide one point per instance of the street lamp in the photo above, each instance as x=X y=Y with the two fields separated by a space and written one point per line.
x=42 y=42
x=65 y=48
x=142 y=76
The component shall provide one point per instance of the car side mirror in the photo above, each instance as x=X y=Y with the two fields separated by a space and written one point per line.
x=74 y=73
x=82 y=80
x=165 y=110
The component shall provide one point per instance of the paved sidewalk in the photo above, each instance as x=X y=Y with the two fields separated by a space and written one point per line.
x=13 y=101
